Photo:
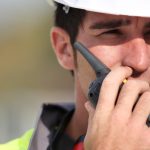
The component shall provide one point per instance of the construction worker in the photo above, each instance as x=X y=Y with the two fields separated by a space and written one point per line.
x=118 y=34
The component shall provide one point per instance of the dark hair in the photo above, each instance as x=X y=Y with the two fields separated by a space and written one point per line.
x=70 y=21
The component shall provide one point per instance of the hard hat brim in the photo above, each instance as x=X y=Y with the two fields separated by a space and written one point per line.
x=139 y=8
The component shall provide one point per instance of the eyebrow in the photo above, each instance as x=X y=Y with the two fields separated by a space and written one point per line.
x=110 y=24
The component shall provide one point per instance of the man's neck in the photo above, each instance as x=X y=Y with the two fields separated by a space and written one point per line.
x=79 y=121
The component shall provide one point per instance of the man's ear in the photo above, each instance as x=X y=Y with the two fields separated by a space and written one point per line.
x=62 y=47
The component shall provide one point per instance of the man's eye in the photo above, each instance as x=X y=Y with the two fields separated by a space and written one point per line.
x=115 y=32
x=110 y=33
x=112 y=37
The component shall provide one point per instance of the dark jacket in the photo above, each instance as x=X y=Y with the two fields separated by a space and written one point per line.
x=50 y=127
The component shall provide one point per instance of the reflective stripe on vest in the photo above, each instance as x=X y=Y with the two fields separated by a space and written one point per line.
x=21 y=143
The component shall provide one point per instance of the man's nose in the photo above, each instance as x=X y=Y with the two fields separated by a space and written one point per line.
x=137 y=54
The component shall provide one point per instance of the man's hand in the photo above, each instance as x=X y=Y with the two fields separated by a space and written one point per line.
x=119 y=121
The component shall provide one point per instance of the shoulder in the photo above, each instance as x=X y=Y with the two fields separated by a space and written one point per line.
x=21 y=143
x=52 y=120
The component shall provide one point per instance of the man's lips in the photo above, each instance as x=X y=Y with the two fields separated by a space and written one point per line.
x=145 y=76
x=136 y=74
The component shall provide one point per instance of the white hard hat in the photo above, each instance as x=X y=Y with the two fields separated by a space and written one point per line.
x=139 y=8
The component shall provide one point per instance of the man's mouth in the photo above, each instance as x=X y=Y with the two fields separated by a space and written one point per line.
x=145 y=75
x=136 y=74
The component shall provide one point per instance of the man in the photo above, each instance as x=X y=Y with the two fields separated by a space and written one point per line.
x=118 y=34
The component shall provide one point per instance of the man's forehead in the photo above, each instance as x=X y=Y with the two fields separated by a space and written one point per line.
x=93 y=17
x=98 y=16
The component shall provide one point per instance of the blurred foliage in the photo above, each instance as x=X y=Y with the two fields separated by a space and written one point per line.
x=26 y=58
x=29 y=72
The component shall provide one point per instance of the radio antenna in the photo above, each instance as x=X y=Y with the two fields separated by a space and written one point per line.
x=96 y=64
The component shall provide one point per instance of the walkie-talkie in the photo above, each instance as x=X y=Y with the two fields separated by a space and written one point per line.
x=100 y=69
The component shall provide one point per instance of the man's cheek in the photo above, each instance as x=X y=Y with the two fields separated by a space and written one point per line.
x=85 y=76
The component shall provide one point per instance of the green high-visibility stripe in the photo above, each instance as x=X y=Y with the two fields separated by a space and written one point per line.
x=18 y=144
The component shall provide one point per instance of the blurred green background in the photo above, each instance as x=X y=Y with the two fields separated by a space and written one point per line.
x=29 y=72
